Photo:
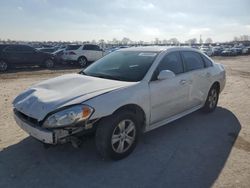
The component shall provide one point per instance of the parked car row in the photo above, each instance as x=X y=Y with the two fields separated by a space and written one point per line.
x=82 y=55
x=225 y=50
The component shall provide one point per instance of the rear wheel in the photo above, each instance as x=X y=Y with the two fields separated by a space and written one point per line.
x=3 y=66
x=212 y=99
x=49 y=63
x=117 y=135
x=82 y=61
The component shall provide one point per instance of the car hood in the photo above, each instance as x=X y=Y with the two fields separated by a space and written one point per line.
x=70 y=89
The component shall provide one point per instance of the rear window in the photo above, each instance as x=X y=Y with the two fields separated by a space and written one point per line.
x=91 y=47
x=207 y=61
x=73 y=47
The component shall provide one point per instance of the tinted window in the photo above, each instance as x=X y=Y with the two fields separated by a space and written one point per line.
x=87 y=47
x=97 y=48
x=26 y=49
x=193 y=61
x=72 y=47
x=91 y=47
x=122 y=65
x=207 y=61
x=172 y=62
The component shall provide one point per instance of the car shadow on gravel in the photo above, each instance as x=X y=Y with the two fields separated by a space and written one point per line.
x=190 y=152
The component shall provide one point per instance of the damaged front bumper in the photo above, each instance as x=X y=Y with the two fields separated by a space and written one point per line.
x=48 y=136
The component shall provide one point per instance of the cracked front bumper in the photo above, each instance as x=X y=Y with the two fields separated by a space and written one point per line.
x=53 y=136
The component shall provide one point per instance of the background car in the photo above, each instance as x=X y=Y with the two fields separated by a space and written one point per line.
x=23 y=55
x=217 y=50
x=82 y=54
x=114 y=49
x=58 y=56
x=206 y=50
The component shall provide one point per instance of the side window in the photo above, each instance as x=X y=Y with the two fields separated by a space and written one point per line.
x=26 y=49
x=86 y=47
x=207 y=61
x=97 y=48
x=13 y=49
x=172 y=62
x=192 y=60
x=91 y=47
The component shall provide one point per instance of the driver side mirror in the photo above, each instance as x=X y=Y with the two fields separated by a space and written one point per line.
x=165 y=74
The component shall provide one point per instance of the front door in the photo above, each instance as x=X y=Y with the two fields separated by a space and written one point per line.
x=169 y=97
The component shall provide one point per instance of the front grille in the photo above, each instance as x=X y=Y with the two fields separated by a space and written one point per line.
x=26 y=118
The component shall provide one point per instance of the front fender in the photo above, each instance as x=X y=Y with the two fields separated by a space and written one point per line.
x=108 y=103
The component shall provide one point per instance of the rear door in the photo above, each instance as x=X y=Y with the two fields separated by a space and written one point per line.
x=98 y=52
x=89 y=52
x=31 y=57
x=169 y=97
x=198 y=73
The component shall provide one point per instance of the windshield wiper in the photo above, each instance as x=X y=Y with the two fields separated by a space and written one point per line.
x=106 y=76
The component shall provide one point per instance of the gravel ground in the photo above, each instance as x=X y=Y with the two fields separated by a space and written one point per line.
x=199 y=150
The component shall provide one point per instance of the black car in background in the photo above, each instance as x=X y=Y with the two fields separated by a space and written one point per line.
x=23 y=55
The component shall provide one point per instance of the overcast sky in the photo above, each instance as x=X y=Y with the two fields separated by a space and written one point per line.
x=69 y=20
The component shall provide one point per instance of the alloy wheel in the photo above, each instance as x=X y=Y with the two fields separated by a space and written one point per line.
x=123 y=136
x=3 y=66
x=82 y=62
x=213 y=98
x=49 y=63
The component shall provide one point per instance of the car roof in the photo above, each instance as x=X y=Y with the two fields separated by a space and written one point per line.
x=158 y=49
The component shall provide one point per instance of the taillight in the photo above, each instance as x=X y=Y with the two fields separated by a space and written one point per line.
x=71 y=53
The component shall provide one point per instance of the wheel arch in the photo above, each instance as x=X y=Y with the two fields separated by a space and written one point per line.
x=81 y=57
x=217 y=85
x=136 y=109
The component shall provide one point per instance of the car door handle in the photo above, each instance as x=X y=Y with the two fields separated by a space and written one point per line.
x=182 y=82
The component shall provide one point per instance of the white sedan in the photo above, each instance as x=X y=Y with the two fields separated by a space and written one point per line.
x=127 y=92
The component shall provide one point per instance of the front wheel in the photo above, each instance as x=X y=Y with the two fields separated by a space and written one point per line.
x=212 y=99
x=3 y=66
x=117 y=135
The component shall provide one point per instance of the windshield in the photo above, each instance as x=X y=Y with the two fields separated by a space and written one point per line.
x=128 y=66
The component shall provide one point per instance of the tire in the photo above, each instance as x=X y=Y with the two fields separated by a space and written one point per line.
x=117 y=135
x=49 y=63
x=3 y=66
x=212 y=99
x=82 y=61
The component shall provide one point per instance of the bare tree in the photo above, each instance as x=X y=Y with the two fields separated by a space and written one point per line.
x=192 y=41
x=125 y=41
x=209 y=41
x=173 y=41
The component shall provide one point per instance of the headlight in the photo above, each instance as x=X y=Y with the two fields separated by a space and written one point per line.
x=68 y=116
